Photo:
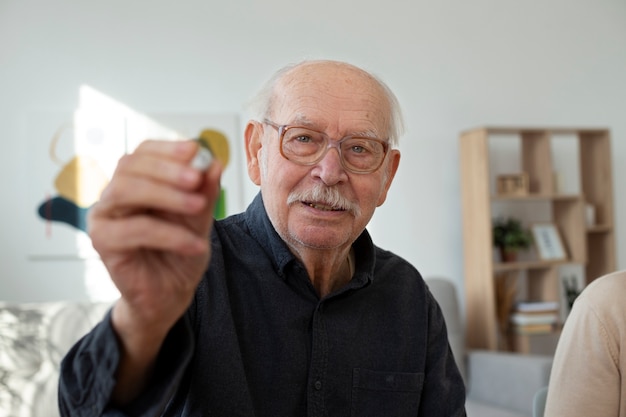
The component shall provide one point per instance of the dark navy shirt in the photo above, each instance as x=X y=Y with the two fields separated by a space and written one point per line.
x=258 y=341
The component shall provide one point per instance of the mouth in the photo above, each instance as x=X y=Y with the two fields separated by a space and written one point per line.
x=321 y=206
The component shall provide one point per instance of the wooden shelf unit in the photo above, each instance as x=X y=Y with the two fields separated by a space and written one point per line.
x=591 y=246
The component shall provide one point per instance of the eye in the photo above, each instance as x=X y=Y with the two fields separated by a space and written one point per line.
x=358 y=149
x=302 y=138
x=362 y=146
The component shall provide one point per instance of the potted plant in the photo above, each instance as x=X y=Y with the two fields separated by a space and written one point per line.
x=509 y=236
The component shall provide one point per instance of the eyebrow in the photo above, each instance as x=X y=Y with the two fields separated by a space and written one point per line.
x=367 y=134
x=301 y=120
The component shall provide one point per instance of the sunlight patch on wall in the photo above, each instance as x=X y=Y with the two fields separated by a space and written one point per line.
x=83 y=151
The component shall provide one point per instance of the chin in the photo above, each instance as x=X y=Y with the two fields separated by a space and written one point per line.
x=329 y=239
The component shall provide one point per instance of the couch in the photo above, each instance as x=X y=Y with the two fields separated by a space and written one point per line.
x=35 y=336
x=500 y=384
x=33 y=339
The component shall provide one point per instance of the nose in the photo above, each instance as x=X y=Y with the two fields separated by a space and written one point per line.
x=330 y=169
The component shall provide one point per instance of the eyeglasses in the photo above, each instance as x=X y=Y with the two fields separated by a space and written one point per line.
x=304 y=146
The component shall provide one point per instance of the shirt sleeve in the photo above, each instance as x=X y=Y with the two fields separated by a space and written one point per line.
x=444 y=389
x=87 y=375
x=585 y=376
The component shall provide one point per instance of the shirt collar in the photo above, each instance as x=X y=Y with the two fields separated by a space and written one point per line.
x=263 y=231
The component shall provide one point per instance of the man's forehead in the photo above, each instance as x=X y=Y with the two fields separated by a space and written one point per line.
x=320 y=94
x=305 y=95
x=327 y=77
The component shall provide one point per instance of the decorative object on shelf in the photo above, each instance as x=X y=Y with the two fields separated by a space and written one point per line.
x=509 y=236
x=572 y=290
x=548 y=242
x=590 y=214
x=513 y=184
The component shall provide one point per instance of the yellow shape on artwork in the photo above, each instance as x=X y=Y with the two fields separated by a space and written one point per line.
x=217 y=143
x=81 y=181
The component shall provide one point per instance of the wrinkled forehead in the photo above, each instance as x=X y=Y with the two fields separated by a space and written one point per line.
x=327 y=91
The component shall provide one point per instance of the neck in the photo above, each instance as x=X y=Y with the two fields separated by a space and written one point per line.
x=329 y=271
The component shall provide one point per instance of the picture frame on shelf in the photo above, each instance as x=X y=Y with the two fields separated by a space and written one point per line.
x=548 y=242
x=512 y=184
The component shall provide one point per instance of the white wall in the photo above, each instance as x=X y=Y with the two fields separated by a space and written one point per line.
x=455 y=64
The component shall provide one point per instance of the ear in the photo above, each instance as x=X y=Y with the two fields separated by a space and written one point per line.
x=253 y=137
x=392 y=168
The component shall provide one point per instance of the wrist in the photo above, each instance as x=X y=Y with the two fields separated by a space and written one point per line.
x=139 y=338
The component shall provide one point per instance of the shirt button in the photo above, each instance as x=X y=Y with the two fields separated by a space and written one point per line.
x=318 y=385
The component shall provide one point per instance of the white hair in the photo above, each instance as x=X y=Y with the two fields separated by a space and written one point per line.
x=261 y=105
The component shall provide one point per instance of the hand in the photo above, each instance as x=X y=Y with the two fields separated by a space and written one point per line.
x=151 y=228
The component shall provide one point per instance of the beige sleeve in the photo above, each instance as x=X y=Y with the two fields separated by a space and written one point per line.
x=585 y=377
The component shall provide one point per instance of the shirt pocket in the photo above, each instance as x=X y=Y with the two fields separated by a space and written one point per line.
x=389 y=394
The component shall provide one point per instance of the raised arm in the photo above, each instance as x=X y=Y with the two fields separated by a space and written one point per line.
x=151 y=229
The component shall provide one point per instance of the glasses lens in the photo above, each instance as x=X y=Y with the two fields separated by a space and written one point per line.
x=306 y=146
x=362 y=154
x=302 y=145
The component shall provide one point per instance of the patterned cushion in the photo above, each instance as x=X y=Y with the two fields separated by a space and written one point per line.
x=34 y=337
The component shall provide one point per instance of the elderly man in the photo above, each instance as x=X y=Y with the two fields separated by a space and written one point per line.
x=288 y=309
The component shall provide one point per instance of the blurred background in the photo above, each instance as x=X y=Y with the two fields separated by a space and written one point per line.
x=453 y=64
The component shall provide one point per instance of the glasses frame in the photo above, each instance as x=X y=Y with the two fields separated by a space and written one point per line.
x=282 y=129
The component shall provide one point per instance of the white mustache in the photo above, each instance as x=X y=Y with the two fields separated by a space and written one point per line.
x=328 y=196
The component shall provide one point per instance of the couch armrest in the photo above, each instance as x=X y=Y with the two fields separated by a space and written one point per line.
x=507 y=380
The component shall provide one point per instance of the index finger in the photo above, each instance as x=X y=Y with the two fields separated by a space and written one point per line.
x=179 y=150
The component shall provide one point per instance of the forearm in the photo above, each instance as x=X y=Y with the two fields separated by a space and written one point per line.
x=139 y=346
x=89 y=374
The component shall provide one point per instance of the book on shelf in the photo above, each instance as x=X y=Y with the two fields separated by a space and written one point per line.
x=534 y=328
x=533 y=318
x=536 y=306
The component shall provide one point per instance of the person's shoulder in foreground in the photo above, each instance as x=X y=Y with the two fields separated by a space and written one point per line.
x=297 y=313
x=588 y=376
